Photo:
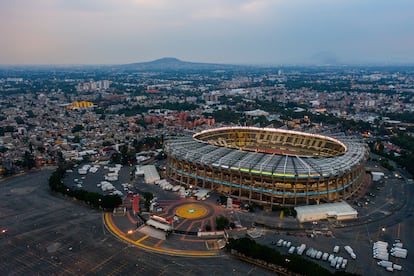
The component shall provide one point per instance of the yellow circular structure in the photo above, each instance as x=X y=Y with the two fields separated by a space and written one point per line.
x=191 y=211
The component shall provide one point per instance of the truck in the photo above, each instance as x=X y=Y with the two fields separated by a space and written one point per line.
x=381 y=242
x=375 y=250
x=397 y=267
x=333 y=261
x=399 y=255
x=301 y=248
x=344 y=263
x=385 y=264
x=350 y=251
x=396 y=249
x=319 y=255
x=398 y=244
x=381 y=256
x=384 y=257
x=379 y=246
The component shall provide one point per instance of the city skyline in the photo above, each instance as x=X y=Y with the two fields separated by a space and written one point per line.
x=231 y=32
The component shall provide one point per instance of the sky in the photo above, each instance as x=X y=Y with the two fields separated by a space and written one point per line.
x=278 y=32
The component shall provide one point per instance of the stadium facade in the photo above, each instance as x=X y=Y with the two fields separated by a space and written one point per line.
x=269 y=166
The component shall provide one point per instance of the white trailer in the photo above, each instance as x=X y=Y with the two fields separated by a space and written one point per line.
x=380 y=246
x=381 y=242
x=344 y=263
x=301 y=248
x=398 y=244
x=384 y=257
x=340 y=259
x=399 y=255
x=385 y=264
x=350 y=251
x=396 y=249
x=397 y=267
x=333 y=261
x=279 y=242
x=319 y=255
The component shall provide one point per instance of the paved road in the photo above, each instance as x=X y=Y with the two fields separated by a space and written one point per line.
x=49 y=235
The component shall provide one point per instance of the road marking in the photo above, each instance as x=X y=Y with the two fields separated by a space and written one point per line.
x=357 y=236
x=142 y=239
x=102 y=264
x=398 y=230
x=158 y=243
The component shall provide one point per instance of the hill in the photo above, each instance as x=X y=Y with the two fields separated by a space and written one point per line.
x=174 y=64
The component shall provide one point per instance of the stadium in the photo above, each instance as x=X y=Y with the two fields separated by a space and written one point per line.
x=269 y=166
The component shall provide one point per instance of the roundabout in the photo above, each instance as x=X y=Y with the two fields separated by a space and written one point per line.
x=191 y=211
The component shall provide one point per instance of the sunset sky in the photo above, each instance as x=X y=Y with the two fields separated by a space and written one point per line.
x=219 y=31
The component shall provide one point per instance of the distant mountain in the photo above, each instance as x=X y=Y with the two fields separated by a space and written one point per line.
x=174 y=64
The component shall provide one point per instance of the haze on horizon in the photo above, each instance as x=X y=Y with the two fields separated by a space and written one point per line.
x=214 y=31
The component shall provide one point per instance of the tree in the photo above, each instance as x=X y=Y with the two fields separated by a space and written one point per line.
x=148 y=197
x=116 y=158
x=77 y=128
x=19 y=120
x=76 y=139
x=222 y=223
x=28 y=160
x=208 y=227
x=111 y=201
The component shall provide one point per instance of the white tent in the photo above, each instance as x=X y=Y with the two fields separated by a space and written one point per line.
x=338 y=210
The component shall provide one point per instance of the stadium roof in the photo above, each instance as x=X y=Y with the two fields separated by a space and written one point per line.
x=186 y=148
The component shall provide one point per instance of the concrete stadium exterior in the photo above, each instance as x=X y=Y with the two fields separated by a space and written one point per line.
x=269 y=166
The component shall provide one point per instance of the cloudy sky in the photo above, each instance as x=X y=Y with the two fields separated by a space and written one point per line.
x=219 y=31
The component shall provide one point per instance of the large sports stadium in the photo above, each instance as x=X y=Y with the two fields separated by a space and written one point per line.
x=269 y=166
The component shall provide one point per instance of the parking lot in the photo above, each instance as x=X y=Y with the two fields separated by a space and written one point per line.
x=385 y=214
x=91 y=181
x=47 y=234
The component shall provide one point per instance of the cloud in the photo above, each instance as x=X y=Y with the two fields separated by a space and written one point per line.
x=270 y=31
